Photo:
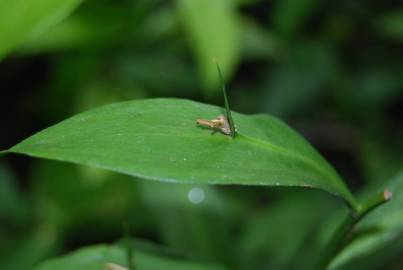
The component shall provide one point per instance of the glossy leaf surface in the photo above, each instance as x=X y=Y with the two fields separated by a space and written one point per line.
x=158 y=139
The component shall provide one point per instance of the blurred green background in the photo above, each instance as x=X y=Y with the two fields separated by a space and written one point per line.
x=331 y=69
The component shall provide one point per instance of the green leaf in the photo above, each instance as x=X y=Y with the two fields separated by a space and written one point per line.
x=135 y=28
x=213 y=31
x=96 y=257
x=379 y=235
x=158 y=139
x=22 y=20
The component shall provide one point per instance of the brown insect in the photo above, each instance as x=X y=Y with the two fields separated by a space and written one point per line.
x=221 y=124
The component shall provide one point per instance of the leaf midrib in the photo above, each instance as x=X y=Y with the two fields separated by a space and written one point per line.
x=249 y=139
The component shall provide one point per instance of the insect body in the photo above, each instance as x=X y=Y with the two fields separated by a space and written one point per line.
x=221 y=124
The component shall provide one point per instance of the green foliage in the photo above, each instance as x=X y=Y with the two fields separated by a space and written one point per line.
x=290 y=15
x=137 y=137
x=390 y=25
x=378 y=236
x=22 y=20
x=297 y=82
x=270 y=237
x=30 y=249
x=104 y=197
x=213 y=32
x=191 y=217
x=97 y=257
x=12 y=207
x=330 y=71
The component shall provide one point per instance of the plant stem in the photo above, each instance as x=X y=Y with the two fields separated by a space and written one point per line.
x=344 y=231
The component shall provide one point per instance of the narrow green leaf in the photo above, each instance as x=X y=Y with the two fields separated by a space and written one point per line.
x=158 y=139
x=22 y=20
x=97 y=257
x=227 y=108
x=379 y=235
x=213 y=31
